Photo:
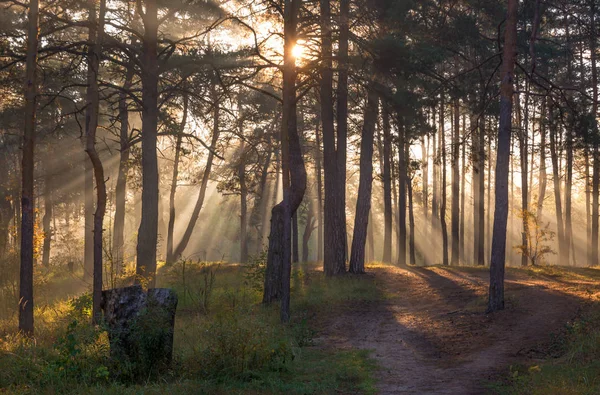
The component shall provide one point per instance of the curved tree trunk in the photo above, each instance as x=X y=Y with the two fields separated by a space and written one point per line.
x=189 y=230
x=278 y=272
x=96 y=30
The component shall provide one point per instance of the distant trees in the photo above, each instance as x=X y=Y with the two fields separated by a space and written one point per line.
x=181 y=106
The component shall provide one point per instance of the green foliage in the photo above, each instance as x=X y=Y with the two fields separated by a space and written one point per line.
x=538 y=238
x=79 y=355
x=239 y=346
x=236 y=346
x=574 y=371
x=254 y=275
x=195 y=282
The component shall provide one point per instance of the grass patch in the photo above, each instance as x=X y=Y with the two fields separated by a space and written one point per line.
x=226 y=342
x=576 y=371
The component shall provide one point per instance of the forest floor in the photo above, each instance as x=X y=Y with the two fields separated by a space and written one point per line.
x=430 y=334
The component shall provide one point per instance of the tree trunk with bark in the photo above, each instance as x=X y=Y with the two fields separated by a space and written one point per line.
x=47 y=219
x=363 y=202
x=319 y=176
x=387 y=187
x=118 y=253
x=189 y=230
x=402 y=177
x=542 y=177
x=27 y=167
x=411 y=213
x=596 y=153
x=455 y=187
x=243 y=206
x=497 y=262
x=557 y=200
x=173 y=190
x=445 y=260
x=96 y=31
x=335 y=226
x=279 y=265
x=148 y=230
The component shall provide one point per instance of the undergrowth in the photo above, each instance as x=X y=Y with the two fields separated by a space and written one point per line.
x=225 y=340
x=576 y=370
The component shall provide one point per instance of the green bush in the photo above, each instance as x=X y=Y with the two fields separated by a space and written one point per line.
x=254 y=275
x=238 y=346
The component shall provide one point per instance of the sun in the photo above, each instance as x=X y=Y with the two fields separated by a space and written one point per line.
x=298 y=50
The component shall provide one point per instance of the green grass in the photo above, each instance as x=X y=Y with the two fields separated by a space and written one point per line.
x=575 y=371
x=225 y=340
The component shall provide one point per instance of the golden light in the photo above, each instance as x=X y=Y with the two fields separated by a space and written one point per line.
x=298 y=50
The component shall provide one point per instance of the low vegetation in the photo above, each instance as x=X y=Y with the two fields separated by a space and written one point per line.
x=572 y=363
x=225 y=340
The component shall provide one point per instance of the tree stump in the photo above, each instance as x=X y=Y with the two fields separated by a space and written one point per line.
x=140 y=328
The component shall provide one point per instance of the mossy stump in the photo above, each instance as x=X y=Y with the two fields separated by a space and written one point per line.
x=140 y=328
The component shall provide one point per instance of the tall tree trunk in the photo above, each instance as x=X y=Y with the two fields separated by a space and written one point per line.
x=279 y=265
x=444 y=173
x=47 y=219
x=395 y=198
x=295 y=239
x=387 y=188
x=497 y=262
x=342 y=118
x=543 y=178
x=455 y=187
x=335 y=227
x=148 y=230
x=189 y=230
x=524 y=148
x=425 y=176
x=243 y=205
x=319 y=176
x=173 y=191
x=260 y=202
x=402 y=176
x=96 y=31
x=435 y=187
x=488 y=231
x=118 y=252
x=27 y=166
x=363 y=202
x=463 y=180
x=308 y=230
x=411 y=213
x=557 y=199
x=568 y=186
x=88 y=220
x=596 y=154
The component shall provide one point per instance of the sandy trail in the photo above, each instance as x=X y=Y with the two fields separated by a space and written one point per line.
x=430 y=336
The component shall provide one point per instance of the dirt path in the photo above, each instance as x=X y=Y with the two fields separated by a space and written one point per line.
x=429 y=335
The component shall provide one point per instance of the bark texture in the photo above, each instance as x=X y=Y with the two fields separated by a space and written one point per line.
x=497 y=262
x=365 y=185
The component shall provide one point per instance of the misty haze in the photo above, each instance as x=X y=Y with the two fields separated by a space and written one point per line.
x=286 y=196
